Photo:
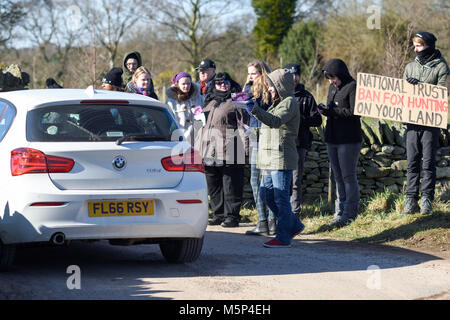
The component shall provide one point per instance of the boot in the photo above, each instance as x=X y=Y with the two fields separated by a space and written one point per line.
x=425 y=205
x=260 y=229
x=411 y=206
x=215 y=221
x=272 y=227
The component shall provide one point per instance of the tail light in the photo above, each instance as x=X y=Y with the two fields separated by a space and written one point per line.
x=190 y=161
x=27 y=160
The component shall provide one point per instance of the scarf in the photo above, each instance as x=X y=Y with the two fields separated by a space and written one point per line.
x=220 y=96
x=427 y=55
x=203 y=87
x=144 y=91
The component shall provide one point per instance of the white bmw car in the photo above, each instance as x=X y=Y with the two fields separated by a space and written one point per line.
x=97 y=165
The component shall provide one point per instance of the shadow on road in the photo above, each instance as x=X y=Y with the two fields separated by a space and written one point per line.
x=111 y=272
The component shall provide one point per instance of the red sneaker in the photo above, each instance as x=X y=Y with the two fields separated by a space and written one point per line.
x=274 y=243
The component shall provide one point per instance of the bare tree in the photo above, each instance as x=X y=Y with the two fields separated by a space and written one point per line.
x=111 y=20
x=195 y=24
x=54 y=28
x=11 y=15
x=397 y=51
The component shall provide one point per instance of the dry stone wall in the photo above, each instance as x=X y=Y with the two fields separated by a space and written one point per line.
x=382 y=162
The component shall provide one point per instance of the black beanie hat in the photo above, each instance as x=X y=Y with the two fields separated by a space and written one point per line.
x=114 y=77
x=293 y=68
x=52 y=84
x=427 y=37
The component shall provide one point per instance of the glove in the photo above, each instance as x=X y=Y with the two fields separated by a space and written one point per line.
x=197 y=110
x=249 y=105
x=413 y=81
x=324 y=110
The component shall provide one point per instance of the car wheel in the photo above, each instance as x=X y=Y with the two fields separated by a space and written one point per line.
x=7 y=253
x=182 y=250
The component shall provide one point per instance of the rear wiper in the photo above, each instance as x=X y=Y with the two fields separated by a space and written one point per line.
x=92 y=135
x=140 y=137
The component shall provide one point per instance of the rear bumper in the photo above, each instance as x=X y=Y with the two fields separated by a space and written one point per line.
x=22 y=223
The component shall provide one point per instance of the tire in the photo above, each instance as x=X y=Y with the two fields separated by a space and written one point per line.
x=182 y=250
x=7 y=253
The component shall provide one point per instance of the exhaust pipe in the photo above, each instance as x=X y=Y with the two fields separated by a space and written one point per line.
x=58 y=238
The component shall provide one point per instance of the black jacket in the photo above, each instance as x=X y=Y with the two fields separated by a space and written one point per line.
x=342 y=126
x=309 y=116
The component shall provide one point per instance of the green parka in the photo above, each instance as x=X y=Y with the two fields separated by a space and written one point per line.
x=280 y=123
x=433 y=72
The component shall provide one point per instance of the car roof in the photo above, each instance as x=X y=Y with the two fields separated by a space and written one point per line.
x=34 y=97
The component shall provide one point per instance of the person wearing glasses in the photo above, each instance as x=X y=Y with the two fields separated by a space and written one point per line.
x=234 y=86
x=131 y=61
x=343 y=137
x=421 y=141
x=223 y=146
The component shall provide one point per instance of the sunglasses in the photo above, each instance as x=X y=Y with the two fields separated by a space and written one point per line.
x=223 y=83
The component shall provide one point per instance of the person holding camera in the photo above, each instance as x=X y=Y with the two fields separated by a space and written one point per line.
x=343 y=138
x=277 y=153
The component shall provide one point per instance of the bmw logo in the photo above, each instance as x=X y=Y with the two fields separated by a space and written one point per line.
x=119 y=163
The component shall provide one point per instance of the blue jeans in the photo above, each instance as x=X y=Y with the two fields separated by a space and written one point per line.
x=275 y=189
x=264 y=213
x=343 y=161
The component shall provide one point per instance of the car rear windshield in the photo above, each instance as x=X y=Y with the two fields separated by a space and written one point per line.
x=99 y=122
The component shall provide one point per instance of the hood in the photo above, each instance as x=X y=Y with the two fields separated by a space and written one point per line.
x=338 y=68
x=283 y=82
x=171 y=92
x=133 y=54
x=299 y=89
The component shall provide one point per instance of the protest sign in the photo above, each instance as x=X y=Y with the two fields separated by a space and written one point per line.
x=397 y=100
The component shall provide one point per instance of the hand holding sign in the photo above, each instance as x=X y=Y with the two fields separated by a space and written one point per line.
x=399 y=100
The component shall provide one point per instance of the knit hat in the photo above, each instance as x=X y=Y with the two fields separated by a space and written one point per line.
x=52 y=84
x=113 y=77
x=427 y=37
x=180 y=75
x=293 y=68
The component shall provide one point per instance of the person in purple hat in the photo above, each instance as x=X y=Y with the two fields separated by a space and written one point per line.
x=185 y=100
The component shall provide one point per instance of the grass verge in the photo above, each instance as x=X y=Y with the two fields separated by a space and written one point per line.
x=381 y=222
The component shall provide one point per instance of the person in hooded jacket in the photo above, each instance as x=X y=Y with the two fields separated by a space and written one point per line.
x=277 y=154
x=343 y=137
x=421 y=141
x=184 y=98
x=131 y=62
x=309 y=117
x=223 y=147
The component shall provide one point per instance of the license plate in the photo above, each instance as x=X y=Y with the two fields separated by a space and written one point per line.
x=115 y=208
